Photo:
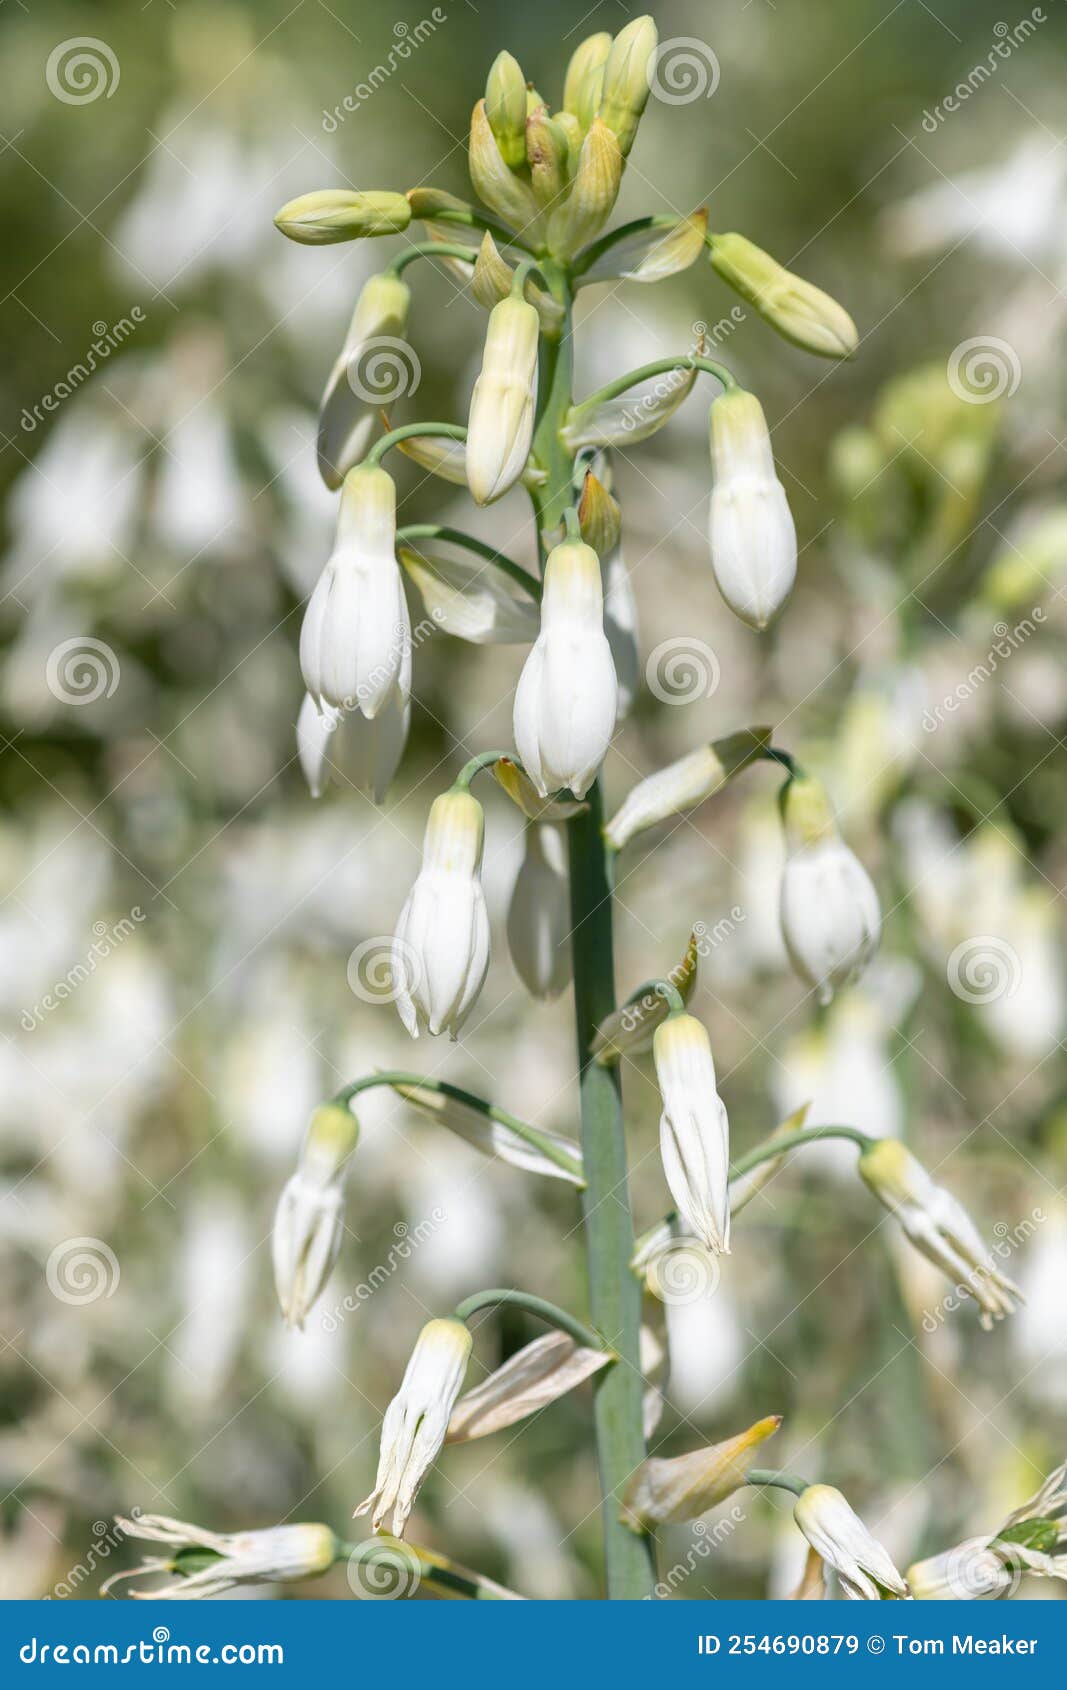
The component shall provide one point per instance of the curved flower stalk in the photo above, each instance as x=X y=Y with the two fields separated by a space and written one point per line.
x=539 y=924
x=836 y=1532
x=831 y=919
x=750 y=526
x=308 y=1223
x=938 y=1226
x=441 y=946
x=567 y=697
x=416 y=1422
x=356 y=629
x=629 y=1030
x=694 y=1133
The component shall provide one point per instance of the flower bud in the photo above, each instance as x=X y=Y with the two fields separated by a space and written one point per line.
x=567 y=697
x=539 y=915
x=831 y=921
x=694 y=1133
x=342 y=214
x=546 y=153
x=938 y=1226
x=830 y=1525
x=222 y=1560
x=348 y=417
x=308 y=1222
x=525 y=796
x=356 y=629
x=496 y=186
x=416 y=1422
x=505 y=108
x=664 y=1492
x=681 y=785
x=592 y=195
x=628 y=80
x=500 y=424
x=799 y=311
x=750 y=527
x=492 y=279
x=441 y=946
x=585 y=77
x=628 y=1030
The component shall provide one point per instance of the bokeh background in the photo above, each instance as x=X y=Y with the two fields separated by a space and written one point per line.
x=179 y=914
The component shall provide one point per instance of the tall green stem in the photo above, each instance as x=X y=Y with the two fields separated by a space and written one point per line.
x=614 y=1291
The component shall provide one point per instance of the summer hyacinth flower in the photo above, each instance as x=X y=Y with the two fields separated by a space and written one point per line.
x=356 y=627
x=662 y=1492
x=567 y=697
x=694 y=1133
x=938 y=1226
x=308 y=1222
x=750 y=526
x=1031 y=1540
x=831 y=920
x=348 y=417
x=441 y=945
x=220 y=1560
x=343 y=746
x=501 y=419
x=539 y=915
x=835 y=1530
x=416 y=1421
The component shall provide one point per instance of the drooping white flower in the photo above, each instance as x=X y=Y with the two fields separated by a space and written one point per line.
x=348 y=415
x=534 y=1376
x=342 y=746
x=694 y=1134
x=831 y=920
x=750 y=529
x=416 y=1421
x=496 y=1134
x=567 y=697
x=501 y=419
x=356 y=628
x=662 y=1492
x=539 y=915
x=620 y=626
x=681 y=785
x=983 y=1568
x=277 y=1555
x=939 y=1226
x=832 y=1527
x=308 y=1222
x=441 y=945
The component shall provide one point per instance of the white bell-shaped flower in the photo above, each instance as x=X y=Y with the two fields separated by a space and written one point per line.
x=356 y=629
x=753 y=541
x=831 y=920
x=539 y=915
x=416 y=1422
x=567 y=697
x=309 y=1220
x=837 y=1533
x=343 y=747
x=441 y=944
x=694 y=1133
x=501 y=419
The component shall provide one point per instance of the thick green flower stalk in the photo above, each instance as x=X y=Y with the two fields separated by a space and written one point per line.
x=545 y=183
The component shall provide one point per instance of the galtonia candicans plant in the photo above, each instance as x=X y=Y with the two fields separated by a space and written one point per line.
x=545 y=176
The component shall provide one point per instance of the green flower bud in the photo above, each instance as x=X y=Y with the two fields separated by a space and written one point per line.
x=800 y=312
x=587 y=60
x=546 y=154
x=496 y=186
x=342 y=214
x=627 y=80
x=505 y=107
x=593 y=193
